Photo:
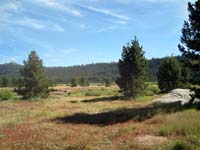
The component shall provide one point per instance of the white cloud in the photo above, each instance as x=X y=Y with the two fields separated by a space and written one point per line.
x=31 y=23
x=56 y=5
x=9 y=16
x=105 y=12
x=27 y=22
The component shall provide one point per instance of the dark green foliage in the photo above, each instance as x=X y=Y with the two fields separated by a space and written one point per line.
x=191 y=41
x=181 y=145
x=96 y=73
x=107 y=82
x=169 y=74
x=5 y=94
x=34 y=82
x=74 y=82
x=196 y=90
x=13 y=81
x=8 y=81
x=4 y=81
x=83 y=82
x=132 y=70
x=152 y=69
x=151 y=89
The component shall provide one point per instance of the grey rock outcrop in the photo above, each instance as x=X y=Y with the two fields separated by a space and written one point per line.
x=176 y=95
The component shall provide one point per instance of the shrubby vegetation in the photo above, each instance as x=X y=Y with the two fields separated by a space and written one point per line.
x=6 y=94
x=108 y=82
x=151 y=89
x=8 y=81
x=83 y=82
x=74 y=82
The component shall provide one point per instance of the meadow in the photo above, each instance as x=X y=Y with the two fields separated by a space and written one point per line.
x=96 y=118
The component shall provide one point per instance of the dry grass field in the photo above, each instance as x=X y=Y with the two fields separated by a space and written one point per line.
x=96 y=118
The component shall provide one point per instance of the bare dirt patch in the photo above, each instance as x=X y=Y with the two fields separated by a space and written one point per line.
x=150 y=140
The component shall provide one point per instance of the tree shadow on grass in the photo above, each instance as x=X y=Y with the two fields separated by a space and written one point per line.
x=122 y=115
x=103 y=99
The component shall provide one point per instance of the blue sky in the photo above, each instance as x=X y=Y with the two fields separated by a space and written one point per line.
x=72 y=32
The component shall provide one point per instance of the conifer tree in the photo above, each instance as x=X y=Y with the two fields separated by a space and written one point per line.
x=169 y=74
x=132 y=69
x=74 y=82
x=4 y=81
x=191 y=43
x=34 y=82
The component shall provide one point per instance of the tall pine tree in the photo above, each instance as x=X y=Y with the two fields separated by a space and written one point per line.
x=34 y=82
x=191 y=43
x=132 y=69
x=169 y=74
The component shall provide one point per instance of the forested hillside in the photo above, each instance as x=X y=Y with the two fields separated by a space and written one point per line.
x=9 y=69
x=98 y=72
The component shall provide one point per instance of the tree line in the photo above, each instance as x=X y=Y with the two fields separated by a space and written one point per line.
x=8 y=81
x=93 y=73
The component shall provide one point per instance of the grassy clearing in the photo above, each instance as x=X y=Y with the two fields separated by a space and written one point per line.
x=185 y=126
x=80 y=121
x=96 y=92
x=184 y=123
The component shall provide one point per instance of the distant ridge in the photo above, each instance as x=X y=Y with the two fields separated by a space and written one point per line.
x=95 y=72
x=10 y=69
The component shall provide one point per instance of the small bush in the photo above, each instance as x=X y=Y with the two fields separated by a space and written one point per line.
x=148 y=93
x=181 y=145
x=154 y=89
x=150 y=90
x=107 y=82
x=6 y=94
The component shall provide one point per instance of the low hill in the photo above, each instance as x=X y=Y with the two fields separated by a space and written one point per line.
x=97 y=72
x=10 y=69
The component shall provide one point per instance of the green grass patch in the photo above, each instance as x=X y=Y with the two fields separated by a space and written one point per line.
x=182 y=124
x=6 y=94
x=184 y=144
x=96 y=92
